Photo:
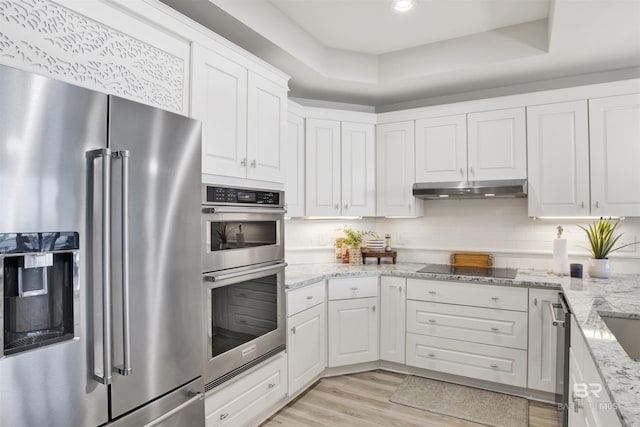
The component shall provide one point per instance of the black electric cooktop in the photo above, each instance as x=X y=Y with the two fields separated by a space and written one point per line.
x=498 y=273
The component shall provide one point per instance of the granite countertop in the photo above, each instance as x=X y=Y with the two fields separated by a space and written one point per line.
x=587 y=298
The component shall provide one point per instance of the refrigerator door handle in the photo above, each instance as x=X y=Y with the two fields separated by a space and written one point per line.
x=104 y=377
x=126 y=368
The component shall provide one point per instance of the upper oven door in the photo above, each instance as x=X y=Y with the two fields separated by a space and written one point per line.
x=236 y=236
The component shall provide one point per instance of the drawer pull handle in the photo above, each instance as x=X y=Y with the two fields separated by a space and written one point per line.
x=495 y=298
x=310 y=297
x=432 y=320
x=431 y=355
x=354 y=288
x=244 y=322
x=494 y=366
x=495 y=329
x=224 y=416
x=272 y=385
x=432 y=292
x=243 y=295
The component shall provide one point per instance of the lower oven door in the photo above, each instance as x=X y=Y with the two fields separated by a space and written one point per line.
x=245 y=319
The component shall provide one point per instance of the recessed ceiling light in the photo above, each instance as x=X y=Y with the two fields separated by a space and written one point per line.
x=403 y=5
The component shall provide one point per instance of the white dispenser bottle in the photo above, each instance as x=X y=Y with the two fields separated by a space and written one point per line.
x=560 y=254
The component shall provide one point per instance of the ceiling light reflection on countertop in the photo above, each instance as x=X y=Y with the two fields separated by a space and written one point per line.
x=403 y=5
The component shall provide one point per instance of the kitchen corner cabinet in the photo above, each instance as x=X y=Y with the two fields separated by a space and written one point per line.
x=340 y=168
x=489 y=145
x=395 y=148
x=614 y=135
x=306 y=336
x=353 y=321
x=294 y=183
x=393 y=312
x=243 y=118
x=543 y=341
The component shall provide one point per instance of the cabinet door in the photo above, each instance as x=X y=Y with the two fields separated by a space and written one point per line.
x=614 y=129
x=358 y=169
x=558 y=159
x=219 y=100
x=393 y=299
x=395 y=170
x=497 y=145
x=543 y=341
x=306 y=346
x=267 y=117
x=441 y=149
x=294 y=184
x=353 y=331
x=322 y=167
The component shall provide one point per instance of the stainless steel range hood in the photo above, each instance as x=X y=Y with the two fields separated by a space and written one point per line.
x=471 y=190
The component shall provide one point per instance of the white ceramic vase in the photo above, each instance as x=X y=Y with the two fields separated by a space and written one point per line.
x=600 y=268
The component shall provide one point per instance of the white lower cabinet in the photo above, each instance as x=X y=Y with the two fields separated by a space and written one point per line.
x=353 y=321
x=393 y=311
x=543 y=341
x=306 y=346
x=240 y=401
x=485 y=362
x=589 y=400
x=476 y=331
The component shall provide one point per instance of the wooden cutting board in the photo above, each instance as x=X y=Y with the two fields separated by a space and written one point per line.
x=471 y=259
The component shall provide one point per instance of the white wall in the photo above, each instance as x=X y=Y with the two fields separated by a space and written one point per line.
x=499 y=226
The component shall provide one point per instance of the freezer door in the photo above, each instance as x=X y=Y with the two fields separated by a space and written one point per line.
x=164 y=252
x=46 y=127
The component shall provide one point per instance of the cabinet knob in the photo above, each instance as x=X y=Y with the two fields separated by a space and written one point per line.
x=293 y=330
x=310 y=297
x=535 y=302
x=272 y=385
x=373 y=308
x=461 y=172
x=582 y=205
x=253 y=163
x=432 y=320
x=337 y=206
x=409 y=207
x=495 y=298
x=431 y=355
x=495 y=329
x=243 y=162
x=597 y=204
x=224 y=416
x=472 y=171
x=432 y=292
x=494 y=365
x=346 y=207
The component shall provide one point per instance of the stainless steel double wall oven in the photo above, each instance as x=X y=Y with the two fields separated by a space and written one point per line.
x=243 y=278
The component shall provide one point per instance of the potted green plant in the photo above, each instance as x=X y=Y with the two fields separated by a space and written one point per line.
x=602 y=236
x=354 y=240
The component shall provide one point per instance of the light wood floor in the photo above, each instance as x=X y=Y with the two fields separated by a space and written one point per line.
x=362 y=399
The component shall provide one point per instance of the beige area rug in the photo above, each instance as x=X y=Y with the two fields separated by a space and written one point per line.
x=467 y=403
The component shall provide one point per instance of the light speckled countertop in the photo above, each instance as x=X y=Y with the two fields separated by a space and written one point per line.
x=618 y=297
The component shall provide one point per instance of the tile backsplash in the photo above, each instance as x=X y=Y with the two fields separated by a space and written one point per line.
x=499 y=226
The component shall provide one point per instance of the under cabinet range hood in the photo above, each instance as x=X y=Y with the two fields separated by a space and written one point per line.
x=470 y=189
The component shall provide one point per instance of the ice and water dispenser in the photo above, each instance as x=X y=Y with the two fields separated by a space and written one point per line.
x=39 y=285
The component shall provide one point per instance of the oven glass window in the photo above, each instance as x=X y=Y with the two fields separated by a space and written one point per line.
x=242 y=312
x=233 y=235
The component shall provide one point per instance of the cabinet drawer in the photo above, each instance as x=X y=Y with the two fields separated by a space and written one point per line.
x=358 y=287
x=481 y=325
x=238 y=402
x=300 y=299
x=485 y=362
x=502 y=297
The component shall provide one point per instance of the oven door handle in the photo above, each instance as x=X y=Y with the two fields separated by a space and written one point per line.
x=213 y=277
x=242 y=210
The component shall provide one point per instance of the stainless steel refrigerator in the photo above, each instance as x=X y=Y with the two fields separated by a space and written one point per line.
x=99 y=259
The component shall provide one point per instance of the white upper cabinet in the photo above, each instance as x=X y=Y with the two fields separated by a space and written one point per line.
x=358 y=169
x=323 y=167
x=441 y=149
x=614 y=130
x=294 y=159
x=219 y=100
x=497 y=145
x=340 y=175
x=489 y=145
x=243 y=118
x=395 y=170
x=558 y=159
x=267 y=118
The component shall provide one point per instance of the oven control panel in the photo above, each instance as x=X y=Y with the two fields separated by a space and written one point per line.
x=241 y=196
